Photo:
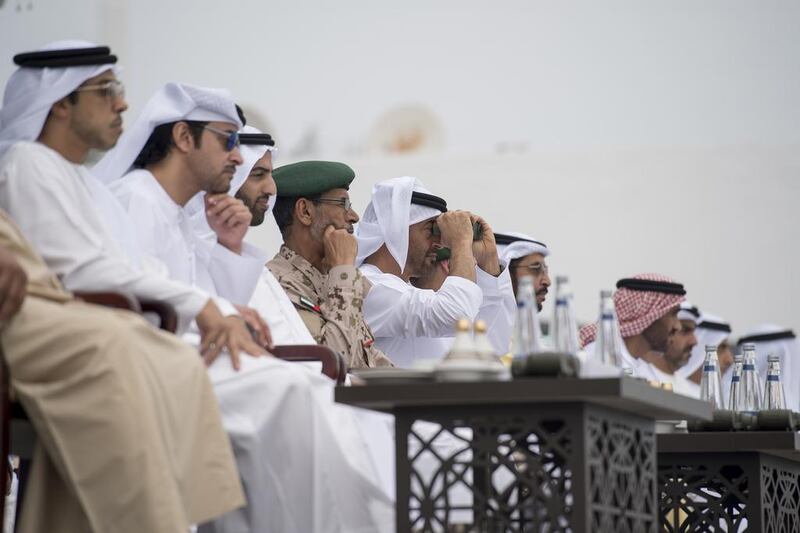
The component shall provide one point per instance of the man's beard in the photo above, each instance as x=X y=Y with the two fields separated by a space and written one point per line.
x=258 y=215
x=542 y=292
x=656 y=344
x=419 y=267
x=680 y=360
x=425 y=269
x=93 y=138
x=221 y=185
x=318 y=226
x=687 y=354
x=257 y=212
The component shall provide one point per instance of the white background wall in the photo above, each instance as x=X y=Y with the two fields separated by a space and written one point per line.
x=645 y=136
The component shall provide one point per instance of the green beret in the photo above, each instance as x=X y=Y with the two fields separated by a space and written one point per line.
x=309 y=178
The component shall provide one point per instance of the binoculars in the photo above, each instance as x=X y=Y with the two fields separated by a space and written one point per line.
x=444 y=253
x=477 y=231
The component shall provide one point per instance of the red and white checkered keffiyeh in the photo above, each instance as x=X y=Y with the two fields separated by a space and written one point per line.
x=636 y=310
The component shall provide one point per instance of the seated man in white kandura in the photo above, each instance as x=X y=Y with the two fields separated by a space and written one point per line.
x=271 y=412
x=397 y=243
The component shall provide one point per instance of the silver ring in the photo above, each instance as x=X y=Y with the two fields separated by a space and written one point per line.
x=212 y=345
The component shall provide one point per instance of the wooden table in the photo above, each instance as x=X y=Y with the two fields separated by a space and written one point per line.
x=534 y=454
x=746 y=480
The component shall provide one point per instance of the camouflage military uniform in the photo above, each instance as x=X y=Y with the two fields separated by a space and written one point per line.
x=330 y=306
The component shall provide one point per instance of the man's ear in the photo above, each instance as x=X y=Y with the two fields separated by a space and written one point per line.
x=304 y=210
x=62 y=109
x=182 y=137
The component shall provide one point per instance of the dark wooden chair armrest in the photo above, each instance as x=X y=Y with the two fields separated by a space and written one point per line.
x=117 y=300
x=167 y=316
x=333 y=365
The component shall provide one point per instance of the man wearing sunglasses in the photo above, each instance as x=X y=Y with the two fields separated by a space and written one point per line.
x=316 y=263
x=174 y=156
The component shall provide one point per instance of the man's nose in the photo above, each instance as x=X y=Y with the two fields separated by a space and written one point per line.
x=236 y=156
x=120 y=104
x=352 y=216
x=269 y=188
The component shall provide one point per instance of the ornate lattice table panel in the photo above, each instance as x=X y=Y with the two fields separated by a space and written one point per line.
x=558 y=467
x=780 y=495
x=538 y=454
x=706 y=492
x=622 y=466
x=748 y=490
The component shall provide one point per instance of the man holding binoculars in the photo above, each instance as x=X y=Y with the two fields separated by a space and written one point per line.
x=406 y=225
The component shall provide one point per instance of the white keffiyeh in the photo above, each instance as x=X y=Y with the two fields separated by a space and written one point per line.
x=524 y=246
x=171 y=103
x=31 y=92
x=388 y=216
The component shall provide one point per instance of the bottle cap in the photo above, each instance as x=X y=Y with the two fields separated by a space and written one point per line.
x=562 y=279
x=605 y=294
x=773 y=358
x=749 y=347
x=738 y=358
x=711 y=347
x=462 y=324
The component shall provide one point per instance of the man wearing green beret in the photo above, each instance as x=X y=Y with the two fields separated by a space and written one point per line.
x=316 y=263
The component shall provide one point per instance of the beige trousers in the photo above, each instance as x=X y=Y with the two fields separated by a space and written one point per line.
x=129 y=432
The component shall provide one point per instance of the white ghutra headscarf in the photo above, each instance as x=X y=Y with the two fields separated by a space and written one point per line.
x=513 y=245
x=171 y=103
x=388 y=216
x=31 y=92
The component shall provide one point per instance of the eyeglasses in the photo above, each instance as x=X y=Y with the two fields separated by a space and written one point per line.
x=232 y=137
x=112 y=89
x=341 y=202
x=537 y=269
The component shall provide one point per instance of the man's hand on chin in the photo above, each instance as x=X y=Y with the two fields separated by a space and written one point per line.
x=229 y=218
